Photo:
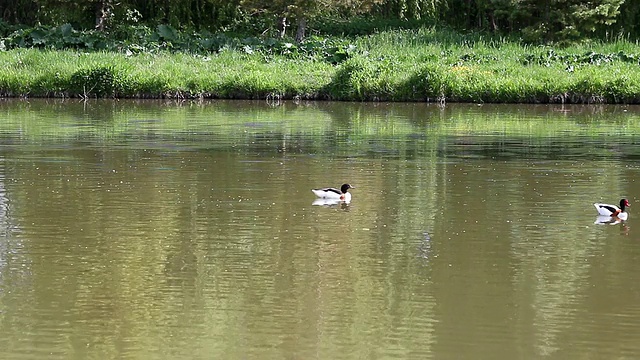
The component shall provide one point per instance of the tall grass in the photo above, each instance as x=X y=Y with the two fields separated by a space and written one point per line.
x=396 y=65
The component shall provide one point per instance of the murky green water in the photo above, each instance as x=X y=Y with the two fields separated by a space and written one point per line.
x=148 y=230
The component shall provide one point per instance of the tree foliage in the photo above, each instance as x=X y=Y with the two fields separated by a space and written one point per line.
x=284 y=13
x=535 y=20
x=568 y=19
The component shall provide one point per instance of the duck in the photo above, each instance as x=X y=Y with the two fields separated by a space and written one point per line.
x=341 y=194
x=613 y=210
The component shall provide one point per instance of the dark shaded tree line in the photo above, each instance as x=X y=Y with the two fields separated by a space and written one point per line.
x=535 y=20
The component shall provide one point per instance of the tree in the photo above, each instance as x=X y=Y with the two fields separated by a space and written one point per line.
x=284 y=12
x=560 y=20
x=629 y=19
x=104 y=12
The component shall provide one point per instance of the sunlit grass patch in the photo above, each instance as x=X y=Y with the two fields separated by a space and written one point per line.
x=397 y=65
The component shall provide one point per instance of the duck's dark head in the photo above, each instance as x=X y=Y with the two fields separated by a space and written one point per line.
x=624 y=203
x=346 y=187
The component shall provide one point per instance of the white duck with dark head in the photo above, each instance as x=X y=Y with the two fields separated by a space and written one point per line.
x=613 y=210
x=341 y=194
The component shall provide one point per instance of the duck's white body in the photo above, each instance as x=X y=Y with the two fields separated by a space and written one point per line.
x=341 y=194
x=623 y=216
x=330 y=194
x=613 y=210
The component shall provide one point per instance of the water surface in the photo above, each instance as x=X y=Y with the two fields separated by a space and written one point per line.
x=155 y=230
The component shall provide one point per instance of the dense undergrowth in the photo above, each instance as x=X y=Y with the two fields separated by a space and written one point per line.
x=420 y=64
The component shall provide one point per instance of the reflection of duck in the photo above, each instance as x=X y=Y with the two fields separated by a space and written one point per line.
x=327 y=202
x=332 y=203
x=335 y=194
x=608 y=220
x=612 y=210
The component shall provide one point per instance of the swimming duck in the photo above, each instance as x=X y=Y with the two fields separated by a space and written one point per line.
x=333 y=193
x=612 y=210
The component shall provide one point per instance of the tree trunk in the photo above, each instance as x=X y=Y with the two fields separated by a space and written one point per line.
x=282 y=27
x=103 y=12
x=302 y=29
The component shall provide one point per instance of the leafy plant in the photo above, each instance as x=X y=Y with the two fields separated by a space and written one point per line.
x=101 y=81
x=590 y=57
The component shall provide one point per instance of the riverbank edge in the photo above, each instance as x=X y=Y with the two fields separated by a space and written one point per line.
x=68 y=74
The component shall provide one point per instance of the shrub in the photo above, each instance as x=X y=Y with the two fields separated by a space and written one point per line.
x=432 y=82
x=101 y=81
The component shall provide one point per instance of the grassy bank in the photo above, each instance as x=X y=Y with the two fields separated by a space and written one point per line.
x=399 y=65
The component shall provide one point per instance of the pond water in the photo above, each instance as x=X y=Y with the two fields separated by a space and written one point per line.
x=160 y=230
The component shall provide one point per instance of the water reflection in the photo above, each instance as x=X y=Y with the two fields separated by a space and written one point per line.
x=189 y=231
x=344 y=204
x=607 y=220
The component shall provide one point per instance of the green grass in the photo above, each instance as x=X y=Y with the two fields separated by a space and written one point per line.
x=396 y=65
